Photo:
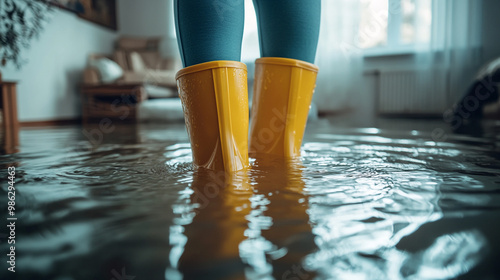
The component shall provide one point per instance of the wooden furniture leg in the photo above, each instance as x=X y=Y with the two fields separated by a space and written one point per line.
x=9 y=115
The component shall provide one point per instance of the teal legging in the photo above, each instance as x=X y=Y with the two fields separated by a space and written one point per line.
x=213 y=30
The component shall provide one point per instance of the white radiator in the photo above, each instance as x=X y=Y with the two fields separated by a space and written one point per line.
x=412 y=92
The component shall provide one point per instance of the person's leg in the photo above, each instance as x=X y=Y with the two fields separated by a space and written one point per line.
x=213 y=84
x=285 y=77
x=288 y=28
x=209 y=30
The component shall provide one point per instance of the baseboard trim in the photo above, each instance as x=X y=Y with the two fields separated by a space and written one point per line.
x=51 y=123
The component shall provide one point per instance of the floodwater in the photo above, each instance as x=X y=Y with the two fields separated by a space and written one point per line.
x=124 y=203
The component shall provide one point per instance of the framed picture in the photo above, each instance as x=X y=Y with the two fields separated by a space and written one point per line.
x=102 y=12
x=68 y=5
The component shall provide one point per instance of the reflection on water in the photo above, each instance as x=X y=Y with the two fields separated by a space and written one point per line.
x=360 y=204
x=218 y=204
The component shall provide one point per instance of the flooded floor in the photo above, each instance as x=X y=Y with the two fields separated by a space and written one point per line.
x=393 y=200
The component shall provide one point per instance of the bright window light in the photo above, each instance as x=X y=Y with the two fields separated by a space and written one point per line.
x=388 y=26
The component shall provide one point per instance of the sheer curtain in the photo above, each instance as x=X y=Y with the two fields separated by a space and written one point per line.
x=445 y=51
x=454 y=47
x=339 y=57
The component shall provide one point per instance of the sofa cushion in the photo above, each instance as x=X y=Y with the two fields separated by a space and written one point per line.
x=109 y=70
x=136 y=62
x=155 y=91
x=151 y=59
x=120 y=57
x=148 y=59
x=165 y=109
x=155 y=77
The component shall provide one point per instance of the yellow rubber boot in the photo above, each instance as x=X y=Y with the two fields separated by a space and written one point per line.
x=283 y=91
x=214 y=97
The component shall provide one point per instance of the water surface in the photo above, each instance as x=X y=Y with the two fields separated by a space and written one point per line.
x=361 y=203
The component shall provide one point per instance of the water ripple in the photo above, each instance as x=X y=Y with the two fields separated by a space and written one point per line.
x=359 y=204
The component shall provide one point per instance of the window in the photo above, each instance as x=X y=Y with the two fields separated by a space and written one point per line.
x=394 y=26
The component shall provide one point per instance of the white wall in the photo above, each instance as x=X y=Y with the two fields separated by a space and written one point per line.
x=48 y=82
x=149 y=18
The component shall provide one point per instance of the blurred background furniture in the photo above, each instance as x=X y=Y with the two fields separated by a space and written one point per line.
x=10 y=124
x=131 y=80
x=141 y=62
x=117 y=101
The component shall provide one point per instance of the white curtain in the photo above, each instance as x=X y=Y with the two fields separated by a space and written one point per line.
x=339 y=57
x=454 y=47
x=445 y=53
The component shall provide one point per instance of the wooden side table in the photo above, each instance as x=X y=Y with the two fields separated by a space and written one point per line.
x=8 y=105
x=114 y=101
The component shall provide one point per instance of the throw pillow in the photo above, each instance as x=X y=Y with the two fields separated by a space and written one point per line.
x=109 y=70
x=136 y=62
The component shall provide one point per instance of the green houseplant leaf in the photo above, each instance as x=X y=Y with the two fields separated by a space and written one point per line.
x=20 y=22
